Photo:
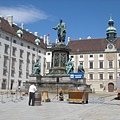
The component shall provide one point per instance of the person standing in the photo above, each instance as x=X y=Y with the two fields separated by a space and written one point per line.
x=32 y=90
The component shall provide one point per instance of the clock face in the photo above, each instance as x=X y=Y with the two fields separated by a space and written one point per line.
x=110 y=46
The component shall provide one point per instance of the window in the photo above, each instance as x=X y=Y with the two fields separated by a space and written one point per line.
x=48 y=53
x=48 y=65
x=21 y=53
x=5 y=72
x=81 y=56
x=12 y=73
x=110 y=64
x=5 y=61
x=27 y=75
x=14 y=41
x=101 y=55
x=14 y=51
x=7 y=38
x=119 y=63
x=28 y=57
x=39 y=51
x=27 y=66
x=91 y=56
x=91 y=76
x=13 y=63
x=28 y=47
x=19 y=83
x=101 y=85
x=33 y=49
x=91 y=64
x=110 y=76
x=21 y=44
x=20 y=74
x=20 y=64
x=6 y=49
x=100 y=64
x=101 y=76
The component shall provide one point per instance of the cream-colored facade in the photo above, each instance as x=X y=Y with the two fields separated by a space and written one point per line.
x=101 y=69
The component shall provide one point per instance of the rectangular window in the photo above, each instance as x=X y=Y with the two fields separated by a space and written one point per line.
x=12 y=73
x=48 y=65
x=20 y=74
x=6 y=49
x=21 y=53
x=81 y=56
x=13 y=63
x=91 y=76
x=101 y=55
x=7 y=38
x=20 y=64
x=5 y=61
x=91 y=64
x=110 y=76
x=110 y=64
x=91 y=56
x=101 y=76
x=14 y=51
x=119 y=63
x=5 y=72
x=100 y=64
x=14 y=41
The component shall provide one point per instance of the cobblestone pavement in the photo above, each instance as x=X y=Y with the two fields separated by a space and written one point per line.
x=101 y=106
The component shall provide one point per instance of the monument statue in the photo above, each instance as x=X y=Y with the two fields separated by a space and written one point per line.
x=69 y=66
x=61 y=27
x=36 y=68
x=80 y=68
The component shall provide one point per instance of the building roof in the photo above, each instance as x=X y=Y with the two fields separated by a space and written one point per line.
x=27 y=36
x=91 y=45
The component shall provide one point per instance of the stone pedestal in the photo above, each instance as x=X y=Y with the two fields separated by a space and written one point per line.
x=60 y=56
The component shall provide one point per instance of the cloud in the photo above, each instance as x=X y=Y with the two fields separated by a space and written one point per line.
x=23 y=14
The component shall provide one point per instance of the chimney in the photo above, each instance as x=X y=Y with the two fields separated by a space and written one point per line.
x=69 y=39
x=10 y=19
x=48 y=39
x=45 y=38
x=36 y=33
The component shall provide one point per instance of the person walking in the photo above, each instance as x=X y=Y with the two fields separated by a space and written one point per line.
x=32 y=90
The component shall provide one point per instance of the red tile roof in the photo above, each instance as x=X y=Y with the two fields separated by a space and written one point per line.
x=27 y=36
x=91 y=45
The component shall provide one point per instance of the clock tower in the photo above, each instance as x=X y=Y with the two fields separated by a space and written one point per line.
x=111 y=36
x=111 y=31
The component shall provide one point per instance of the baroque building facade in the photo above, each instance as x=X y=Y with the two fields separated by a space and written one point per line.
x=100 y=58
x=18 y=53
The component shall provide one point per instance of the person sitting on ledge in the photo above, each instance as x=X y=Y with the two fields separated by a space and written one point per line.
x=61 y=98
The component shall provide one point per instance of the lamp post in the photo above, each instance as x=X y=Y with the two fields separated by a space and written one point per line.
x=37 y=41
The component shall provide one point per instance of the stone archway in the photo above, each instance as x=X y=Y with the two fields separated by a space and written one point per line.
x=110 y=87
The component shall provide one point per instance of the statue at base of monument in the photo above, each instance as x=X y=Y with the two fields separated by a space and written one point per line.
x=80 y=68
x=61 y=27
x=69 y=66
x=36 y=68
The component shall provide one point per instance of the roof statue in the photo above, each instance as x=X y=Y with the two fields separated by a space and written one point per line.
x=61 y=28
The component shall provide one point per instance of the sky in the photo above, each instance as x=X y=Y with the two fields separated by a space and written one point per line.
x=83 y=18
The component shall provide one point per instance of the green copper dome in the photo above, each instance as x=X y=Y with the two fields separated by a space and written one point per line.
x=111 y=28
x=19 y=32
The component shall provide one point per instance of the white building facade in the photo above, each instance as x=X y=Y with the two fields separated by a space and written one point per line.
x=18 y=53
